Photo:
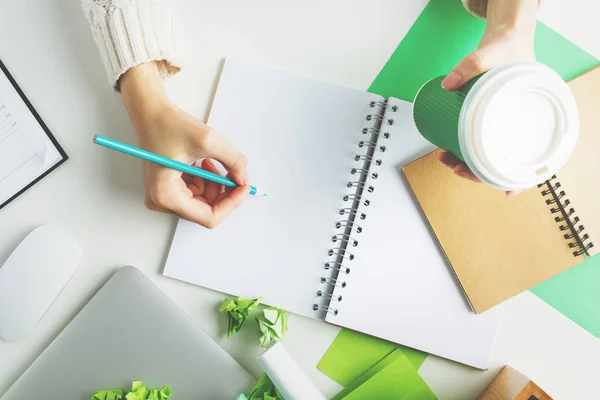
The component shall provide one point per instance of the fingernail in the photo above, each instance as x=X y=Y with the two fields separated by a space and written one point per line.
x=444 y=163
x=246 y=180
x=452 y=81
x=463 y=175
x=512 y=194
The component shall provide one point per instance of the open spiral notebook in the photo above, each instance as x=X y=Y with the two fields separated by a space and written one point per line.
x=339 y=238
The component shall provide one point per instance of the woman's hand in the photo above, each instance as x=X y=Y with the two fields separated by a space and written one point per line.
x=164 y=129
x=508 y=37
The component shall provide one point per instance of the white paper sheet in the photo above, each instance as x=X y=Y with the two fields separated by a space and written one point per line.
x=287 y=376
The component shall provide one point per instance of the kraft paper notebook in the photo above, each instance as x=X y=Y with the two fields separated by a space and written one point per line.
x=319 y=245
x=498 y=246
x=28 y=151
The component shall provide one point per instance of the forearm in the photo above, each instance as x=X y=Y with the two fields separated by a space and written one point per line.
x=143 y=93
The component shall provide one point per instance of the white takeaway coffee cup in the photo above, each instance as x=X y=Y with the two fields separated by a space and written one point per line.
x=514 y=126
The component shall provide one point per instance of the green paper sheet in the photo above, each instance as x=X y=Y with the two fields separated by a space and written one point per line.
x=575 y=294
x=392 y=378
x=351 y=354
x=442 y=35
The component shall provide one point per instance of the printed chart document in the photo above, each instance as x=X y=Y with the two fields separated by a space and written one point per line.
x=28 y=151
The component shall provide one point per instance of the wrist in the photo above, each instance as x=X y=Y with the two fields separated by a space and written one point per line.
x=514 y=18
x=143 y=94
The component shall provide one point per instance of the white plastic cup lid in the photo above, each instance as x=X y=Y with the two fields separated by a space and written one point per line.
x=518 y=125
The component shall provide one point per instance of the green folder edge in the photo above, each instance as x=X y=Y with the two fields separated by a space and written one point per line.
x=442 y=35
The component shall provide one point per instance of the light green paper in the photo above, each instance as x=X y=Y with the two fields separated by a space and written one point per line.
x=575 y=294
x=392 y=378
x=352 y=353
x=108 y=395
x=139 y=391
x=160 y=394
x=442 y=35
x=264 y=389
x=237 y=312
x=272 y=324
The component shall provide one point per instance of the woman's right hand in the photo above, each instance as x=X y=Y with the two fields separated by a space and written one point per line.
x=164 y=129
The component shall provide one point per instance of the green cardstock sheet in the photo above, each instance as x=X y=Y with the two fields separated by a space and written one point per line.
x=352 y=354
x=393 y=378
x=575 y=294
x=442 y=35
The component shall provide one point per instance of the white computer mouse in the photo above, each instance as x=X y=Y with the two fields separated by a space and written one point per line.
x=33 y=276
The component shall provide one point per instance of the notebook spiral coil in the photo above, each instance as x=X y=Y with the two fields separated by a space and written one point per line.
x=367 y=157
x=579 y=241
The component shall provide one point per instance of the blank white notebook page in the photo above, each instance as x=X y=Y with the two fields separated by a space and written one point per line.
x=400 y=287
x=26 y=151
x=300 y=137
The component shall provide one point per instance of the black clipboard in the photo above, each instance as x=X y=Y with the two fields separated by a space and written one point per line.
x=64 y=156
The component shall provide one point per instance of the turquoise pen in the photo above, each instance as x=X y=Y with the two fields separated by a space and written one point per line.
x=169 y=163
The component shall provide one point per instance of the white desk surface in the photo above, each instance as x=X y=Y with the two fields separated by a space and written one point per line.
x=97 y=195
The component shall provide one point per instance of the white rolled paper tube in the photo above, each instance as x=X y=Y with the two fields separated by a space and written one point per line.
x=287 y=376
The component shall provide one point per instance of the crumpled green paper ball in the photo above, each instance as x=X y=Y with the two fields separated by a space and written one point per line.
x=237 y=312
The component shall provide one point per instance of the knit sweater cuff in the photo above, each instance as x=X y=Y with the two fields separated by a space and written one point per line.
x=133 y=32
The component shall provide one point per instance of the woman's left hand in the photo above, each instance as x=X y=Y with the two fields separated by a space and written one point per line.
x=508 y=38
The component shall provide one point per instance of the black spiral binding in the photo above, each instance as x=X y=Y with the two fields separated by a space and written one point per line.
x=569 y=222
x=368 y=157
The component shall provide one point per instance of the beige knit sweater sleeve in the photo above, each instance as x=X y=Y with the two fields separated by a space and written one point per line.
x=132 y=32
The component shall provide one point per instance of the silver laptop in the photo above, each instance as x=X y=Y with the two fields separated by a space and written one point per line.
x=132 y=331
